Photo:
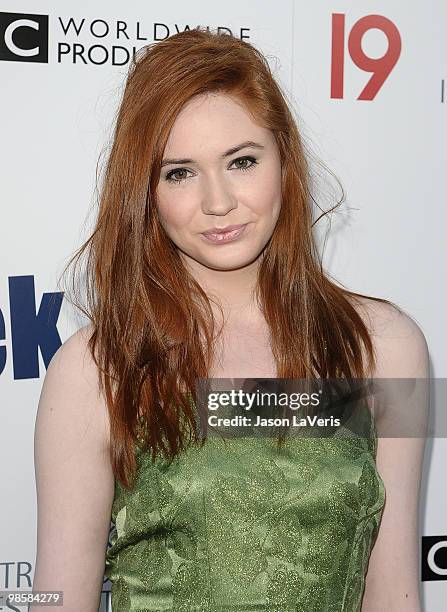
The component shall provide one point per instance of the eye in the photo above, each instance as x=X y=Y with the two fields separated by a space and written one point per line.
x=249 y=158
x=170 y=175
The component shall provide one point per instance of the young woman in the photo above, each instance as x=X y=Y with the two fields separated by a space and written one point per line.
x=203 y=264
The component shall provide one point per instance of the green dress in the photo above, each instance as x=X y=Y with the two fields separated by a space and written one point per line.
x=244 y=526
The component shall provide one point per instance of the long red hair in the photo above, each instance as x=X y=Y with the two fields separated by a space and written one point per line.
x=153 y=329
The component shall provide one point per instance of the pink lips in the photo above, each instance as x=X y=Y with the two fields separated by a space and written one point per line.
x=222 y=235
x=223 y=230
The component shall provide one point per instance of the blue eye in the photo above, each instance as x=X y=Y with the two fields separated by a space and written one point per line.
x=172 y=173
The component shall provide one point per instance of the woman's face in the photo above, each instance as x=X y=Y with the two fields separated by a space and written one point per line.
x=219 y=169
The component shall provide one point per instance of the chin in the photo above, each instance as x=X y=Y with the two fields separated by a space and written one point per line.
x=228 y=263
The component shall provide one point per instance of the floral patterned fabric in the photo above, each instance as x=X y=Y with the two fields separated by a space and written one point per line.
x=243 y=525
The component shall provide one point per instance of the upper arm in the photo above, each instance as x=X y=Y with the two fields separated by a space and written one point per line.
x=74 y=479
x=392 y=580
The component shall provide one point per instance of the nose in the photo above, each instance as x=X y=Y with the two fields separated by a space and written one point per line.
x=218 y=198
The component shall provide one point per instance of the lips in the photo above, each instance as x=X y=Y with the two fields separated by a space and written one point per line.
x=224 y=235
x=223 y=230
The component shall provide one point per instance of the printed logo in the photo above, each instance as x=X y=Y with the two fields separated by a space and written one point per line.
x=434 y=558
x=31 y=331
x=379 y=67
x=23 y=37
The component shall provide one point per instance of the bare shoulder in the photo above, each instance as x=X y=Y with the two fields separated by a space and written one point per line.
x=399 y=343
x=73 y=357
x=71 y=387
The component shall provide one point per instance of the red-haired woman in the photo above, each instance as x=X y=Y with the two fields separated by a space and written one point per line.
x=203 y=264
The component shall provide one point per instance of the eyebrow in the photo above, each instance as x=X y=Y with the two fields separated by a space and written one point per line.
x=232 y=151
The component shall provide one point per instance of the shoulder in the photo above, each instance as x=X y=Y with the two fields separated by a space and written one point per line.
x=73 y=354
x=71 y=390
x=73 y=365
x=399 y=343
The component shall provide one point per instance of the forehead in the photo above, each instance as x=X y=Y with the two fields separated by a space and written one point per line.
x=212 y=123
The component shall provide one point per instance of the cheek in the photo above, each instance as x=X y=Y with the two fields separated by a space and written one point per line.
x=268 y=194
x=174 y=212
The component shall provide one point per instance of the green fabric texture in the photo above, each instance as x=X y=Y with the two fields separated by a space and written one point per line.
x=243 y=525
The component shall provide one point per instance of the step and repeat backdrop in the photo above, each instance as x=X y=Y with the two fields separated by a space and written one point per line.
x=367 y=83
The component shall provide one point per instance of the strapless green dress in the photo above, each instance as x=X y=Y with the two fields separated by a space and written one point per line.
x=244 y=526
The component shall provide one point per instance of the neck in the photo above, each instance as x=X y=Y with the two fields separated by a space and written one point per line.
x=233 y=290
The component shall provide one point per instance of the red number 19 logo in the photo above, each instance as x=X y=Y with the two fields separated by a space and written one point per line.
x=379 y=67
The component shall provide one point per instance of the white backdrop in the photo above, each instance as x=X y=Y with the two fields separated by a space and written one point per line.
x=388 y=151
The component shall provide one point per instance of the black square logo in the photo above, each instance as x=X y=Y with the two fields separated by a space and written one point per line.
x=434 y=558
x=23 y=37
